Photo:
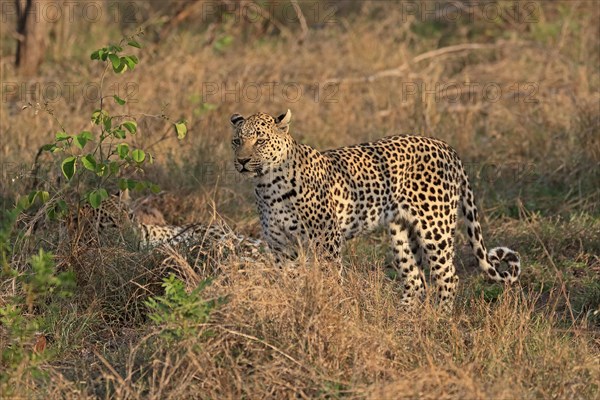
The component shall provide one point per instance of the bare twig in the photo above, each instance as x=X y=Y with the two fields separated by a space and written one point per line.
x=254 y=338
x=394 y=72
x=302 y=20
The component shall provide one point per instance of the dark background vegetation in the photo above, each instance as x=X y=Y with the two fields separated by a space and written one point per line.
x=513 y=86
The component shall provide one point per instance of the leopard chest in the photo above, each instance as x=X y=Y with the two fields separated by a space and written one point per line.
x=276 y=200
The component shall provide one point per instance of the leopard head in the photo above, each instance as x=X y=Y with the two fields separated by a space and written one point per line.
x=115 y=212
x=260 y=142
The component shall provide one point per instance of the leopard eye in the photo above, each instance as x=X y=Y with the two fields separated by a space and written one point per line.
x=235 y=142
x=261 y=141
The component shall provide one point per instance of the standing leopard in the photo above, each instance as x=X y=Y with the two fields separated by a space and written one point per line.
x=414 y=185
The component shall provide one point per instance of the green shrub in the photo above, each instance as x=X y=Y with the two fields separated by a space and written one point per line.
x=178 y=312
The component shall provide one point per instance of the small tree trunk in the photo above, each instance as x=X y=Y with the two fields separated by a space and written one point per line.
x=32 y=29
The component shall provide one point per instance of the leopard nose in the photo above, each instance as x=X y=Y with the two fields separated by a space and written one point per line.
x=243 y=161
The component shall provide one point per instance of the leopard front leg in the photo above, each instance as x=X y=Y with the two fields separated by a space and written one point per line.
x=275 y=235
x=330 y=245
x=279 y=244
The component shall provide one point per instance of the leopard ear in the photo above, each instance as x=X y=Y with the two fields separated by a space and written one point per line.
x=236 y=119
x=124 y=197
x=283 y=121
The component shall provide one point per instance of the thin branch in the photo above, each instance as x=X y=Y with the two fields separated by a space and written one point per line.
x=303 y=24
x=254 y=338
x=399 y=71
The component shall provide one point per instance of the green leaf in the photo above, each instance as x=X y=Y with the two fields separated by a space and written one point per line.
x=115 y=60
x=81 y=139
x=49 y=147
x=95 y=197
x=131 y=126
x=114 y=167
x=138 y=155
x=62 y=205
x=133 y=43
x=101 y=169
x=123 y=150
x=87 y=135
x=79 y=142
x=95 y=55
x=58 y=209
x=62 y=136
x=181 y=129
x=119 y=100
x=107 y=121
x=98 y=116
x=154 y=188
x=103 y=54
x=89 y=162
x=127 y=184
x=31 y=197
x=68 y=167
x=130 y=61
x=119 y=133
x=38 y=194
x=121 y=68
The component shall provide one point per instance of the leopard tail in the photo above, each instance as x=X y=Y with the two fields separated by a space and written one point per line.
x=489 y=262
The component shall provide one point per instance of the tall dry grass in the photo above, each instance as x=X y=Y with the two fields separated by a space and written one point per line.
x=307 y=333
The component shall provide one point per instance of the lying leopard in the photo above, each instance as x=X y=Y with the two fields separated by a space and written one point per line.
x=414 y=185
x=116 y=213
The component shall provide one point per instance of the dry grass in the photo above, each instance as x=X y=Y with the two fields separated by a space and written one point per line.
x=306 y=332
